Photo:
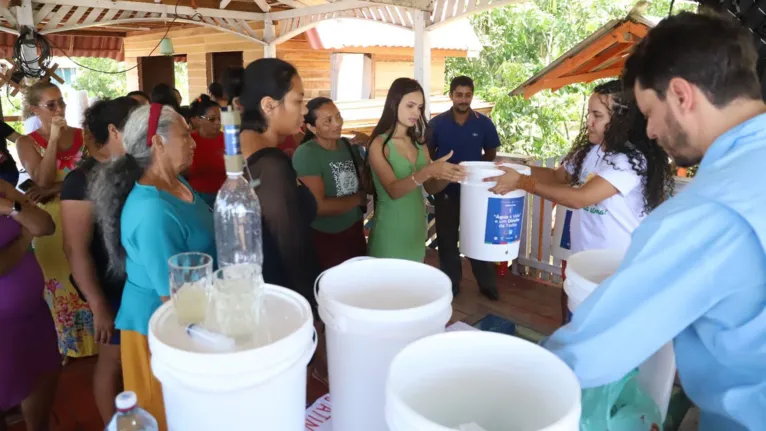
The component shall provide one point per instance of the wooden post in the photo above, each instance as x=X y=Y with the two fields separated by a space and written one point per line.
x=269 y=34
x=423 y=55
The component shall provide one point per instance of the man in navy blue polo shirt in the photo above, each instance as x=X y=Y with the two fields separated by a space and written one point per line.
x=473 y=138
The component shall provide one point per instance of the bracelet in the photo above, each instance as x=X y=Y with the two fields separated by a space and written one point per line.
x=415 y=181
x=527 y=183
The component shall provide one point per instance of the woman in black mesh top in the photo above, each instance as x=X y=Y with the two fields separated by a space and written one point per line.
x=272 y=105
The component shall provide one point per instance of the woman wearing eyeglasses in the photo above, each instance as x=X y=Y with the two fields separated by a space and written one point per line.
x=49 y=154
x=207 y=172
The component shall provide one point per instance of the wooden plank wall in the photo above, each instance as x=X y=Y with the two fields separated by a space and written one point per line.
x=313 y=65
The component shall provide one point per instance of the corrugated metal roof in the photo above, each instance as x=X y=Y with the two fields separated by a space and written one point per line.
x=346 y=33
x=74 y=46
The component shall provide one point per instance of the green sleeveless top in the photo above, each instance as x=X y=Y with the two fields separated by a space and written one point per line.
x=399 y=225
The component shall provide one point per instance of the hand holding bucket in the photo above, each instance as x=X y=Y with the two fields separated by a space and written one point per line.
x=507 y=182
x=441 y=169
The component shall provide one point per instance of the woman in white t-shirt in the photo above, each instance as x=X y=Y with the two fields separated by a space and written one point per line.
x=613 y=176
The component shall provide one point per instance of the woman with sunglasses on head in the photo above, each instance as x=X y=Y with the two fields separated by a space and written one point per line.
x=207 y=172
x=48 y=155
x=85 y=249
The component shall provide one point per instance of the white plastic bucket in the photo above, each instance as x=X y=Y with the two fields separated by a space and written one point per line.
x=253 y=388
x=372 y=309
x=490 y=225
x=499 y=382
x=561 y=239
x=585 y=271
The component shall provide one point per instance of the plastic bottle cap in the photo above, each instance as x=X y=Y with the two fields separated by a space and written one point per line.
x=126 y=400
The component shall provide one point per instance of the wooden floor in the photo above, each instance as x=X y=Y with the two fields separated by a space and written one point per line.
x=522 y=301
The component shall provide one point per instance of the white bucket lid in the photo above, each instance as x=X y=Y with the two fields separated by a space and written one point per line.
x=477 y=171
x=447 y=356
x=286 y=317
x=382 y=291
x=587 y=269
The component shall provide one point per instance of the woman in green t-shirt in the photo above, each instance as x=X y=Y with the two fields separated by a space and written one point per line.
x=328 y=165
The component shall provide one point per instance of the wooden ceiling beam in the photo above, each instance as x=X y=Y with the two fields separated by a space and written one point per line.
x=556 y=83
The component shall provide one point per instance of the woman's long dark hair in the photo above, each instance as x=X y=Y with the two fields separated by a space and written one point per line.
x=388 y=121
x=582 y=144
x=266 y=77
x=231 y=80
x=164 y=94
x=390 y=118
x=626 y=134
x=311 y=116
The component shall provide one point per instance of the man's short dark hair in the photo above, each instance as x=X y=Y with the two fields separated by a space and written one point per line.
x=460 y=81
x=216 y=90
x=715 y=53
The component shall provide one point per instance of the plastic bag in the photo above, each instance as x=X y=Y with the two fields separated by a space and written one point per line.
x=619 y=406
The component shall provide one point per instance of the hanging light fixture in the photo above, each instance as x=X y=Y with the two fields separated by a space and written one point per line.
x=166 y=46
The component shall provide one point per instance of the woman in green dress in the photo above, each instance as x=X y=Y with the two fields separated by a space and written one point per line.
x=401 y=168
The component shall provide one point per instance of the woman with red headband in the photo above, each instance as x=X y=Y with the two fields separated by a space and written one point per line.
x=148 y=213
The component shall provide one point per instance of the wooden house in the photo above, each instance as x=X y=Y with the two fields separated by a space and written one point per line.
x=352 y=61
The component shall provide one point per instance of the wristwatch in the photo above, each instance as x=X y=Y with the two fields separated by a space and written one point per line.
x=16 y=208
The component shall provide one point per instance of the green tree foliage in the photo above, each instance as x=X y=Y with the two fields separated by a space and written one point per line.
x=519 y=40
x=181 y=75
x=102 y=85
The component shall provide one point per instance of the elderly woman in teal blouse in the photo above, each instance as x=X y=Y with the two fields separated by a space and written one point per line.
x=149 y=213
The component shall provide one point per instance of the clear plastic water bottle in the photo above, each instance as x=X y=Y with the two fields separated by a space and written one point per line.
x=238 y=235
x=129 y=416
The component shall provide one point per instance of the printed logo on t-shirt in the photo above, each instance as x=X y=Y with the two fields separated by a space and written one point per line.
x=344 y=175
x=595 y=208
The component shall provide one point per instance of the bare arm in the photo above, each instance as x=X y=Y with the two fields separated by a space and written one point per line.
x=593 y=192
x=433 y=185
x=77 y=225
x=35 y=220
x=489 y=154
x=330 y=206
x=551 y=176
x=396 y=188
x=41 y=169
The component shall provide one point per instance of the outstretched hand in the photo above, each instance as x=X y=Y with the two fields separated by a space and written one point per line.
x=441 y=169
x=507 y=182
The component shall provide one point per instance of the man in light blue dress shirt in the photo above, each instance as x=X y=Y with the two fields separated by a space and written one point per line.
x=695 y=272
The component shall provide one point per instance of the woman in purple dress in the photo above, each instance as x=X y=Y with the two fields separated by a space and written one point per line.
x=29 y=358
